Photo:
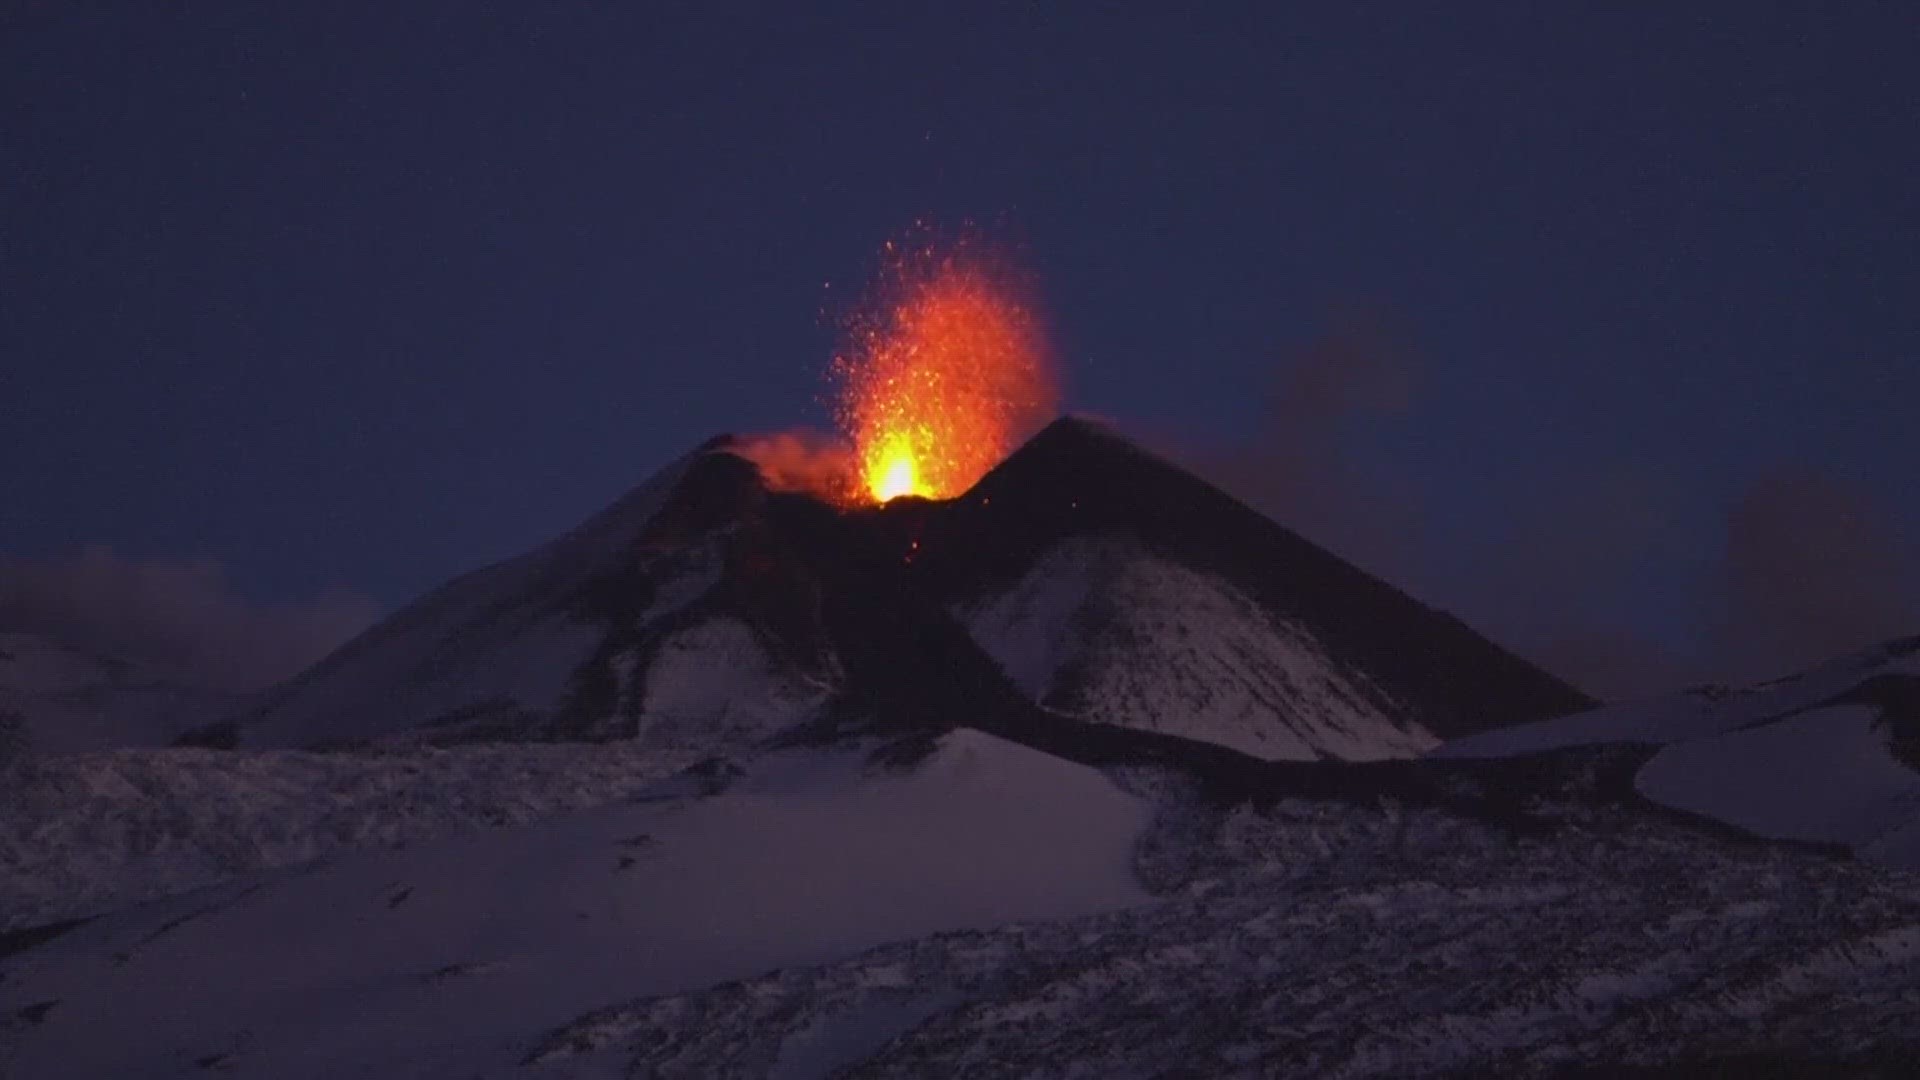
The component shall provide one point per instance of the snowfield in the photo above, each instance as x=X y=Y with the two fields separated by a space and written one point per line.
x=1821 y=775
x=952 y=906
x=1322 y=940
x=86 y=834
x=452 y=957
x=1698 y=713
x=1809 y=757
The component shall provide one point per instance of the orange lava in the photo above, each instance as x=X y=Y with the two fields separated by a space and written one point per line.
x=945 y=374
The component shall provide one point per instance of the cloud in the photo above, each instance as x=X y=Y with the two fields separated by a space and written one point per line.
x=185 y=615
x=1811 y=569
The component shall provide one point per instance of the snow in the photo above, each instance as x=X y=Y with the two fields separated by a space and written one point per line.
x=1691 y=715
x=413 y=675
x=92 y=833
x=713 y=684
x=1028 y=629
x=450 y=957
x=1823 y=775
x=845 y=1039
x=1105 y=631
x=502 y=634
x=1412 y=945
x=1791 y=759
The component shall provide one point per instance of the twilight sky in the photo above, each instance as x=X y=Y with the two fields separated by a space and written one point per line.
x=1599 y=327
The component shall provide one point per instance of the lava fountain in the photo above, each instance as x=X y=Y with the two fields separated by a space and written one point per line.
x=942 y=373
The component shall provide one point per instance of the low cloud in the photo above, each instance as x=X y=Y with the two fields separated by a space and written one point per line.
x=184 y=615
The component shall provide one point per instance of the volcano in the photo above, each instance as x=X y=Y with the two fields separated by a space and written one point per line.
x=1083 y=581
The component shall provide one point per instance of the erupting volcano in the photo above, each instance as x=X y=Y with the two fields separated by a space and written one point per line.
x=755 y=588
x=943 y=374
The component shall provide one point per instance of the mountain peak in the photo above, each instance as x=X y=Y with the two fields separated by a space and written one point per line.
x=1084 y=503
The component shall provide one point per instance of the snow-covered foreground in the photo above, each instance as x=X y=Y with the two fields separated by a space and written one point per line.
x=1805 y=758
x=454 y=957
x=1336 y=941
x=86 y=834
x=981 y=910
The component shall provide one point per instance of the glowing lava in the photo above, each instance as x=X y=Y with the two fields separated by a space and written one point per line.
x=944 y=375
x=895 y=475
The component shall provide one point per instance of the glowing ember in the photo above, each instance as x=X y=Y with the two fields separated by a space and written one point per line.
x=944 y=376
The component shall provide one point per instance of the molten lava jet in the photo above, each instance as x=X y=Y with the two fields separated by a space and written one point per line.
x=944 y=373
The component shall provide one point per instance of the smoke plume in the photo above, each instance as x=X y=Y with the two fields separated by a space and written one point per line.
x=1296 y=466
x=802 y=461
x=1811 y=569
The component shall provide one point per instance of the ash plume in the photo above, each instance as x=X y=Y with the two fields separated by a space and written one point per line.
x=1809 y=568
x=807 y=462
x=1812 y=567
x=1296 y=464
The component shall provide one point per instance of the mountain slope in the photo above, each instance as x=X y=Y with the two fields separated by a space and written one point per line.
x=72 y=699
x=1115 y=586
x=1832 y=755
x=660 y=619
x=96 y=833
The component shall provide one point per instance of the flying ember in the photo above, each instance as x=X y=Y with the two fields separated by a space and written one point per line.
x=944 y=374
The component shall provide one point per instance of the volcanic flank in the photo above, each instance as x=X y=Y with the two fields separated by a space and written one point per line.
x=1081 y=581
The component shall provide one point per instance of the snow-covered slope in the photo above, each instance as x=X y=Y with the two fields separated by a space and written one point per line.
x=71 y=699
x=87 y=834
x=453 y=957
x=645 y=622
x=1832 y=755
x=1104 y=630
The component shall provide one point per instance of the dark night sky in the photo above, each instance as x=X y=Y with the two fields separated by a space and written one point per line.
x=359 y=300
